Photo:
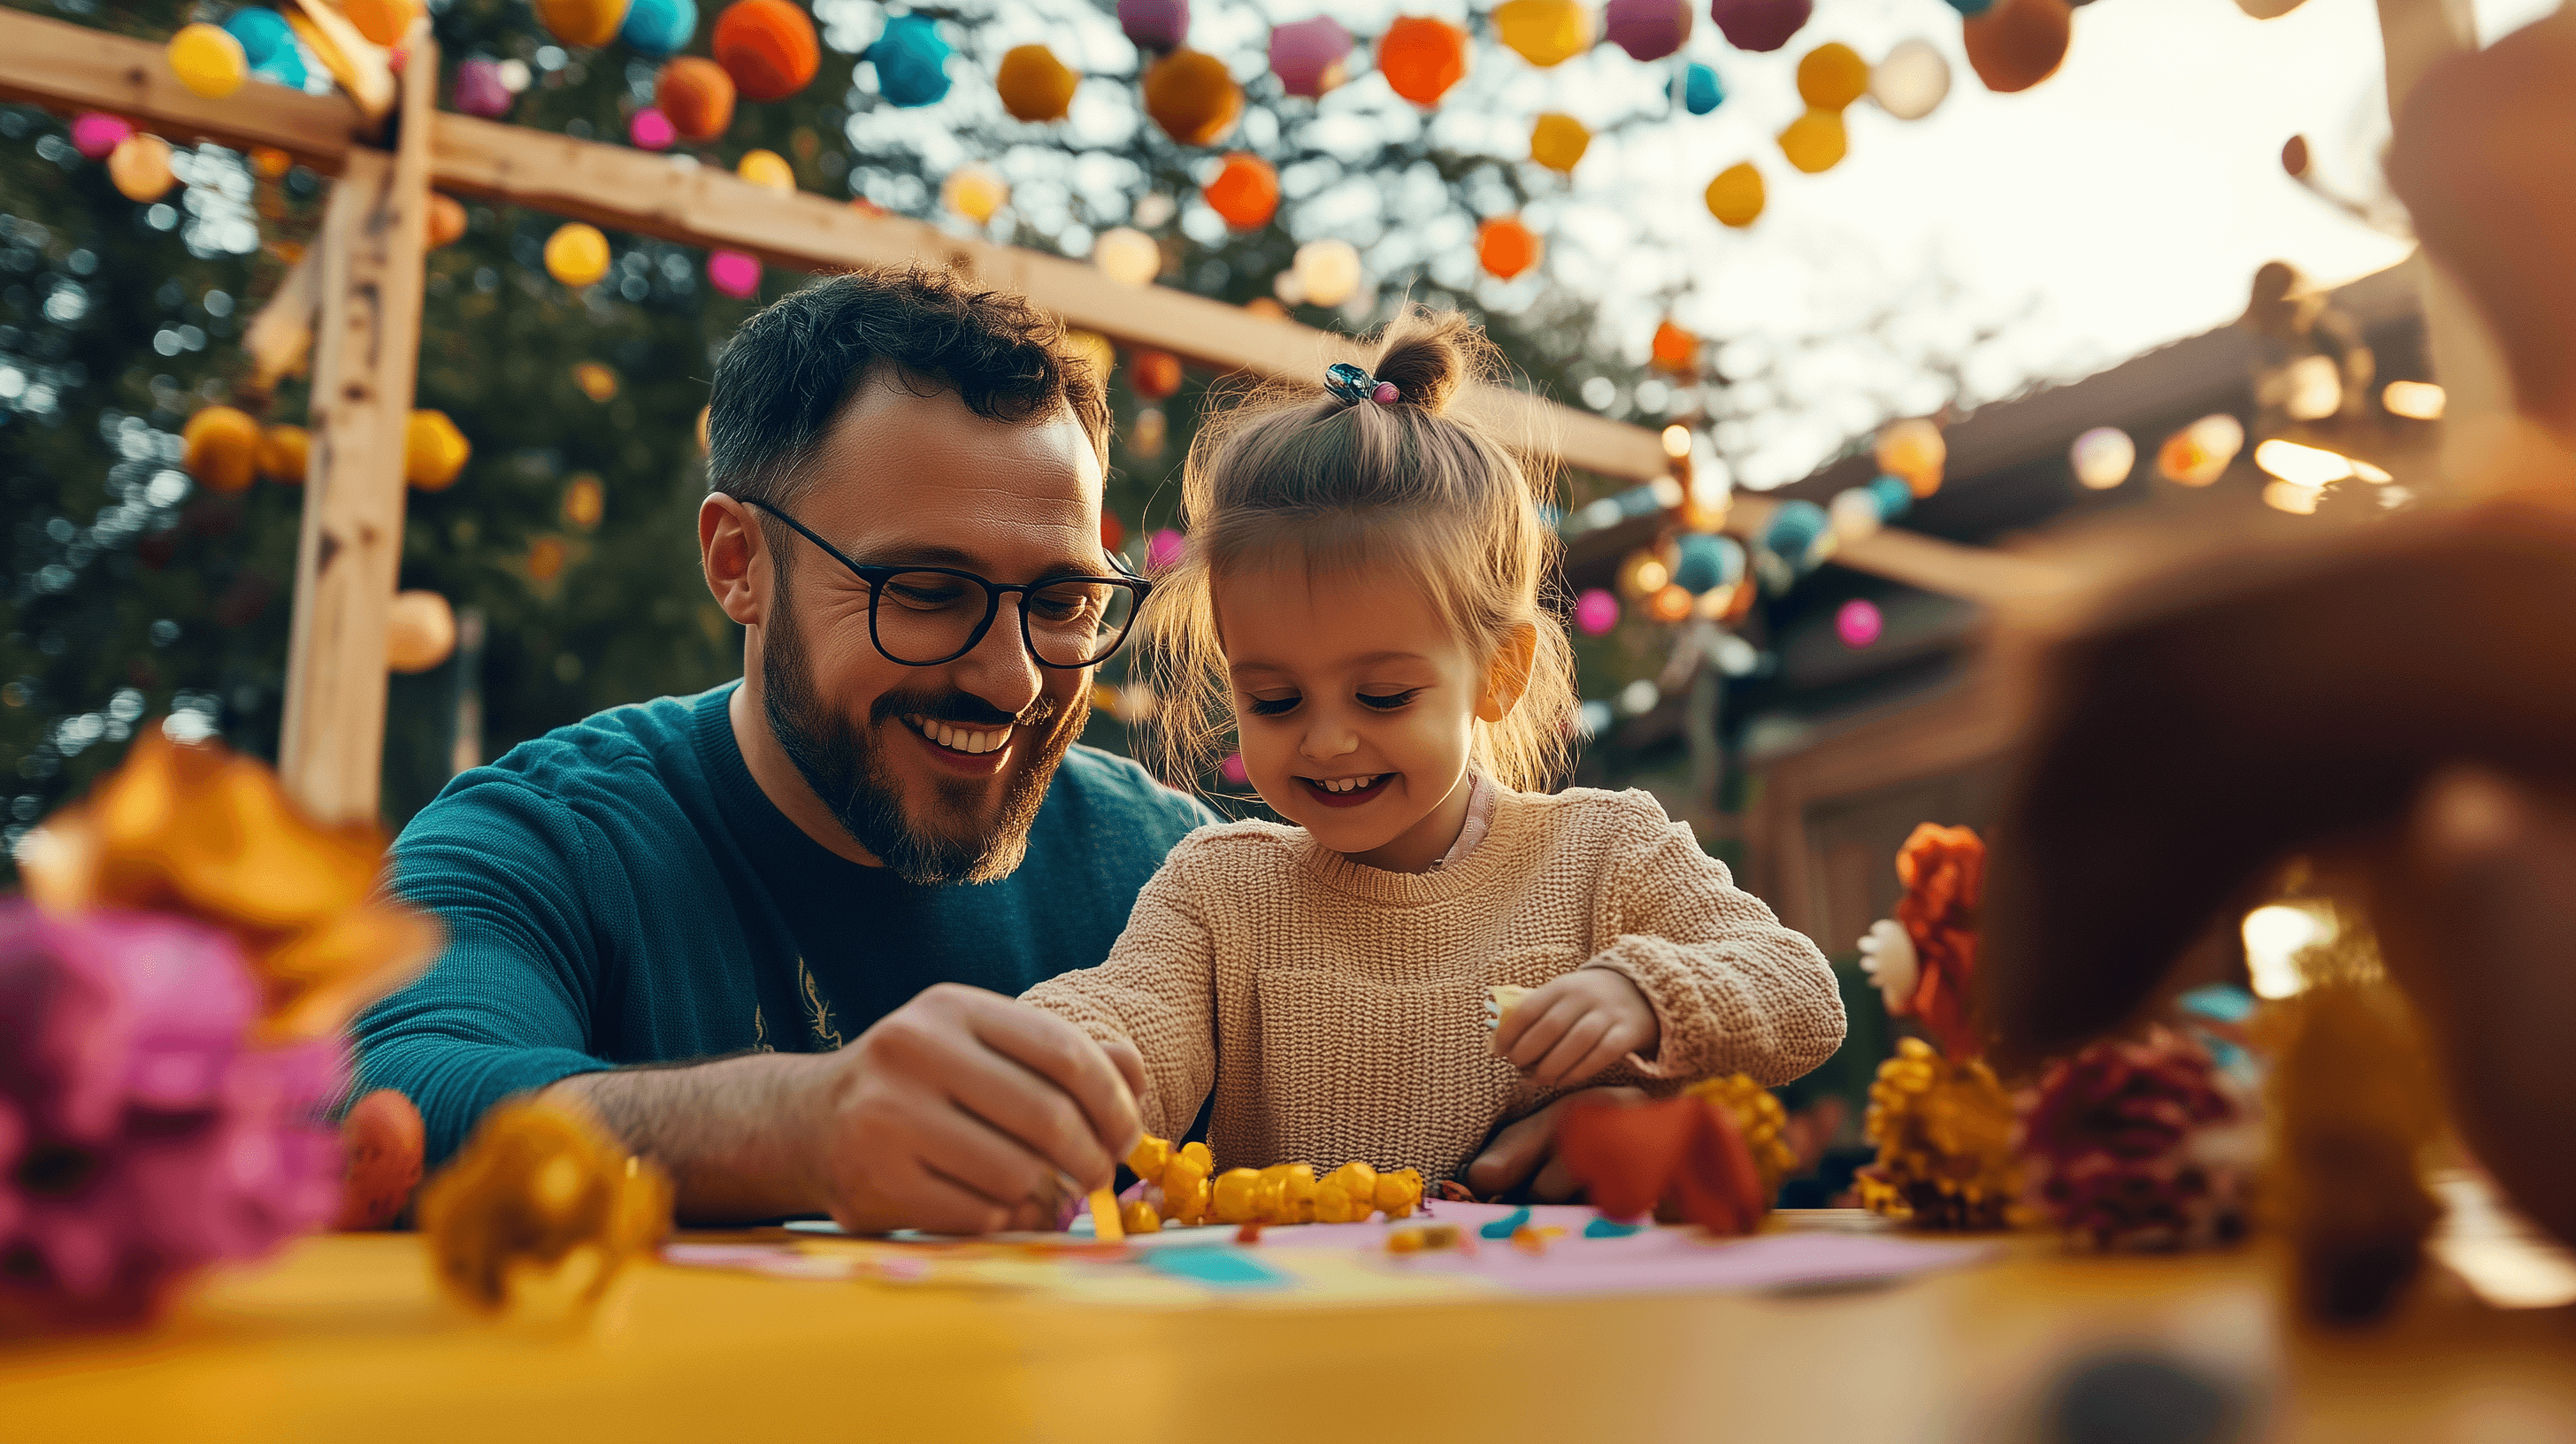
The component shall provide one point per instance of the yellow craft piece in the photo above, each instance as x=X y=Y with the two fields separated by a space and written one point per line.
x=1104 y=1215
x=1333 y=1204
x=1815 y=142
x=1559 y=141
x=1735 y=197
x=1149 y=1158
x=1234 y=1194
x=1139 y=1217
x=582 y=22
x=222 y=448
x=1832 y=76
x=434 y=451
x=540 y=1208
x=1399 y=1193
x=577 y=254
x=1359 y=1180
x=208 y=60
x=766 y=168
x=1196 y=1152
x=1544 y=32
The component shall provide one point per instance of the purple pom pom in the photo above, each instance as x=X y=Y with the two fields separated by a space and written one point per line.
x=1385 y=393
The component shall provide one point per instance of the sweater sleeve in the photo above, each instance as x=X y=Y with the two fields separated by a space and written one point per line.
x=1157 y=991
x=507 y=1008
x=1733 y=990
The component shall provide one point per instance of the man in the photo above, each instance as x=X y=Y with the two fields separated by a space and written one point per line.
x=772 y=935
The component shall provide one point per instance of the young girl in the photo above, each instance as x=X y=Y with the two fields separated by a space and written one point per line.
x=1360 y=605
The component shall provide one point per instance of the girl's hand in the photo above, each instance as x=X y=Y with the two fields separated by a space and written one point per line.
x=1577 y=1026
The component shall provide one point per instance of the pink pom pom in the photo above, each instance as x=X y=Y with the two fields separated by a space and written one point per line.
x=1232 y=769
x=733 y=273
x=651 y=130
x=1164 y=548
x=1858 y=623
x=94 y=134
x=480 y=89
x=1596 y=612
x=1385 y=393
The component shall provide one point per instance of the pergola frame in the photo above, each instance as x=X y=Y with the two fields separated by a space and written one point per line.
x=371 y=252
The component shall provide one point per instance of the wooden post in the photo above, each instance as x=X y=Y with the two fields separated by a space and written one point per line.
x=374 y=234
x=2478 y=420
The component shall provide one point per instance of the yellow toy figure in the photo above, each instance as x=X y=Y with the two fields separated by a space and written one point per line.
x=1942 y=1122
x=541 y=1209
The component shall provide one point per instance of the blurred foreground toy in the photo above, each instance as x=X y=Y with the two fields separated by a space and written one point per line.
x=1175 y=1184
x=145 y=1134
x=2140 y=1144
x=383 y=1143
x=198 y=830
x=2355 y=1109
x=1759 y=1119
x=1681 y=1158
x=1944 y=1131
x=540 y=1212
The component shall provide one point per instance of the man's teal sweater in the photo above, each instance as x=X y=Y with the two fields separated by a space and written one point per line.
x=621 y=891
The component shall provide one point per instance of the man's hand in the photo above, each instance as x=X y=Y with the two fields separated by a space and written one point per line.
x=1577 y=1026
x=1527 y=1146
x=960 y=1108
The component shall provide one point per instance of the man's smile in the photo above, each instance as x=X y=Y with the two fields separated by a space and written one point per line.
x=958 y=737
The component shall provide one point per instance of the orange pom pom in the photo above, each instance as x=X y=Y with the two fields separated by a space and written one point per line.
x=1190 y=95
x=697 y=95
x=1675 y=349
x=222 y=448
x=1506 y=247
x=283 y=451
x=1422 y=57
x=2018 y=43
x=386 y=21
x=446 y=220
x=768 y=47
x=1034 y=85
x=1245 y=192
x=1154 y=375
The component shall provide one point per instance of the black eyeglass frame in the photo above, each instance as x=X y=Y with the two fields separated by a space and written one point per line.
x=877 y=576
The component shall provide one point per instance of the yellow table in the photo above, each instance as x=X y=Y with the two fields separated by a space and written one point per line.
x=343 y=1339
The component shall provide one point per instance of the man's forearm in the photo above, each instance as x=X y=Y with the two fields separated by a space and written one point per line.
x=734 y=1134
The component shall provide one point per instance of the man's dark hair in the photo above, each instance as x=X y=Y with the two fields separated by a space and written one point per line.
x=791 y=368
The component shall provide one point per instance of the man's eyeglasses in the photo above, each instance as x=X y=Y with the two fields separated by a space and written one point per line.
x=926 y=616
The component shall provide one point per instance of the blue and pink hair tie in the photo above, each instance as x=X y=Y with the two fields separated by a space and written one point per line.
x=1354 y=385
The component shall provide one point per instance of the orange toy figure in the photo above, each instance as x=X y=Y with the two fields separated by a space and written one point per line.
x=1925 y=960
x=200 y=830
x=1676 y=1156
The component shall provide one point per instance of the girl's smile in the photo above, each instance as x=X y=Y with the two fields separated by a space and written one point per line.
x=1347 y=791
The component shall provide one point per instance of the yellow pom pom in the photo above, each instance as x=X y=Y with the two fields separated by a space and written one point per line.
x=1149 y=1158
x=420 y=632
x=582 y=22
x=434 y=451
x=1832 y=76
x=208 y=60
x=1196 y=1152
x=1815 y=142
x=1735 y=197
x=1139 y=1217
x=139 y=168
x=1559 y=141
x=222 y=448
x=1944 y=1132
x=1544 y=32
x=975 y=192
x=283 y=454
x=577 y=254
x=767 y=168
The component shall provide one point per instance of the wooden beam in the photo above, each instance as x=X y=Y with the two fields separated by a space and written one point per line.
x=374 y=235
x=70 y=67
x=1977 y=574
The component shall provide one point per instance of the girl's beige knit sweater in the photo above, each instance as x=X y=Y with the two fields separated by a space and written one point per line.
x=1338 y=1010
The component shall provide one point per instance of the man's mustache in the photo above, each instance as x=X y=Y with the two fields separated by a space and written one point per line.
x=964 y=709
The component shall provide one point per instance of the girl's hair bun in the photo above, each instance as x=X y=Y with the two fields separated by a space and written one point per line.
x=1431 y=356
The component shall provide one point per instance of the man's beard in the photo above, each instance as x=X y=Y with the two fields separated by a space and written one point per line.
x=854 y=781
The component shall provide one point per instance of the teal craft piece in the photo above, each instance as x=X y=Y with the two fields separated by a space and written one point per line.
x=1505 y=1226
x=1604 y=1228
x=1218 y=1268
